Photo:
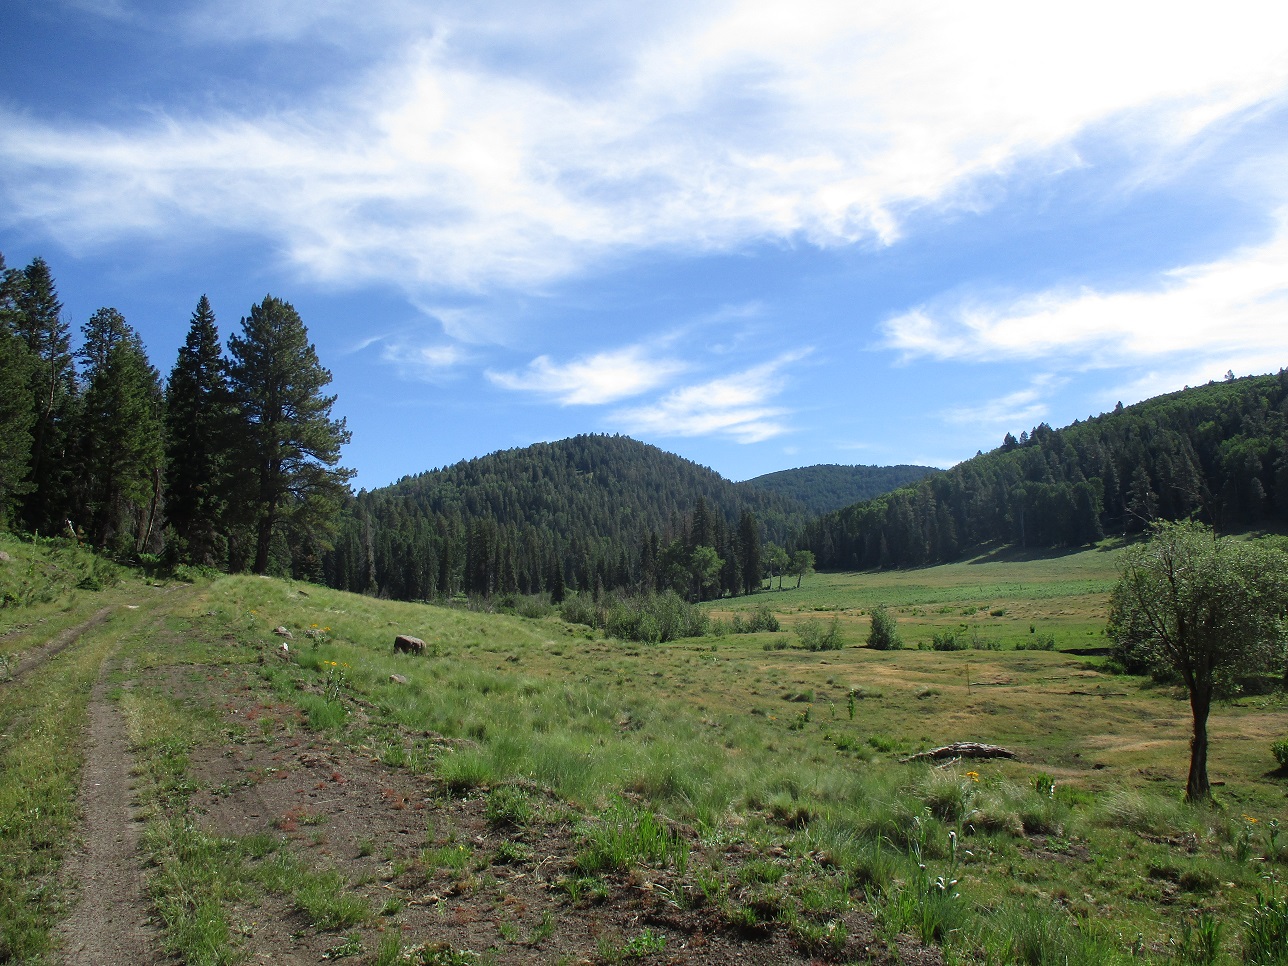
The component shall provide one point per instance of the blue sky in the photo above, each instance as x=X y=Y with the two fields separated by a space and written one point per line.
x=759 y=235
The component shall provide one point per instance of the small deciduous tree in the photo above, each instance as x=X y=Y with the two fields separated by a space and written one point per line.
x=802 y=565
x=776 y=561
x=1202 y=607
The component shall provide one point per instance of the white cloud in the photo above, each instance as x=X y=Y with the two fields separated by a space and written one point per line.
x=737 y=406
x=1023 y=407
x=424 y=361
x=605 y=377
x=1231 y=313
x=476 y=156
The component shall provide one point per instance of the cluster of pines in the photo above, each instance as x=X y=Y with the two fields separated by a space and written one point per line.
x=232 y=464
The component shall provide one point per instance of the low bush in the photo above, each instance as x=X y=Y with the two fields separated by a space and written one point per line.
x=947 y=641
x=815 y=636
x=1280 y=750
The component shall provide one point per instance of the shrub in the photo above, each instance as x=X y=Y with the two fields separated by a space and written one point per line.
x=814 y=636
x=883 y=636
x=1042 y=642
x=1280 y=750
x=762 y=619
x=579 y=609
x=947 y=641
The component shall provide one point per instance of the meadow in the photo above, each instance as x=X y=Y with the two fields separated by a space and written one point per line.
x=736 y=777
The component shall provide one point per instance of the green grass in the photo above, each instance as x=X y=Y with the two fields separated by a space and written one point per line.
x=1079 y=847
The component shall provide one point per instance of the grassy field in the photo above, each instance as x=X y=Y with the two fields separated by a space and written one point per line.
x=743 y=745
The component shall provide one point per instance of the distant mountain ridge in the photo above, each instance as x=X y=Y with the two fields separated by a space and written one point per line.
x=825 y=487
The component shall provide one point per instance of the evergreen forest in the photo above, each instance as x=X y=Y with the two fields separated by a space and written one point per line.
x=232 y=464
x=1217 y=452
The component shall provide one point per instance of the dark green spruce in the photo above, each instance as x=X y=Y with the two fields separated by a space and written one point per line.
x=120 y=451
x=52 y=386
x=200 y=441
x=17 y=407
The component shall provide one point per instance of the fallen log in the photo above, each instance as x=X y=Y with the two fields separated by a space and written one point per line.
x=961 y=749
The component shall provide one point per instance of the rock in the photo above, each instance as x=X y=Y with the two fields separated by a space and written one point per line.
x=961 y=749
x=4 y=557
x=397 y=679
x=283 y=632
x=406 y=644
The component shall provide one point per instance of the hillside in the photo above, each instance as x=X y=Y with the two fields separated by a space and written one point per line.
x=1219 y=451
x=829 y=486
x=585 y=511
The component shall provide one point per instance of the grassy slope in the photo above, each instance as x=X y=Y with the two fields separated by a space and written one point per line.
x=760 y=745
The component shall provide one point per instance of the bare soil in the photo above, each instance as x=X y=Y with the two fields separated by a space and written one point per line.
x=339 y=807
x=111 y=919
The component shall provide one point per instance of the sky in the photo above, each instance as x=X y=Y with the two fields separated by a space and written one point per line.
x=757 y=234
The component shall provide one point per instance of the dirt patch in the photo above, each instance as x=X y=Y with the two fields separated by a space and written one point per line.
x=110 y=922
x=435 y=867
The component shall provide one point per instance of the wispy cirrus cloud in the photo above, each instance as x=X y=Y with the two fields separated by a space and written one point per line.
x=605 y=377
x=426 y=362
x=447 y=165
x=1023 y=407
x=1226 y=313
x=742 y=406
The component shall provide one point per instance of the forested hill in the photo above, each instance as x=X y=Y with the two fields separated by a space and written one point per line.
x=589 y=511
x=827 y=486
x=1219 y=450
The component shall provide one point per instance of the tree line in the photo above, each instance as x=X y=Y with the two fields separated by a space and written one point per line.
x=232 y=463
x=594 y=513
x=1218 y=452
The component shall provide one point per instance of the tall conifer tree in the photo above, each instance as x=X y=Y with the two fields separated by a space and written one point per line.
x=121 y=441
x=292 y=445
x=749 y=552
x=52 y=384
x=199 y=418
x=16 y=404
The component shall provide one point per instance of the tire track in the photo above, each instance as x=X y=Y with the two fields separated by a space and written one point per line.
x=36 y=656
x=111 y=919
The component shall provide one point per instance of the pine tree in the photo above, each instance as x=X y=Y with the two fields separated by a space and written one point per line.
x=292 y=445
x=121 y=441
x=749 y=552
x=52 y=386
x=199 y=420
x=16 y=408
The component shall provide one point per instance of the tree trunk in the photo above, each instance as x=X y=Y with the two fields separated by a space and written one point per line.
x=1197 y=788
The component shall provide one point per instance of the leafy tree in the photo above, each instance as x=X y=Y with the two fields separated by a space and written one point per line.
x=802 y=565
x=704 y=566
x=38 y=322
x=776 y=561
x=120 y=434
x=292 y=445
x=199 y=458
x=1202 y=607
x=16 y=406
x=883 y=636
